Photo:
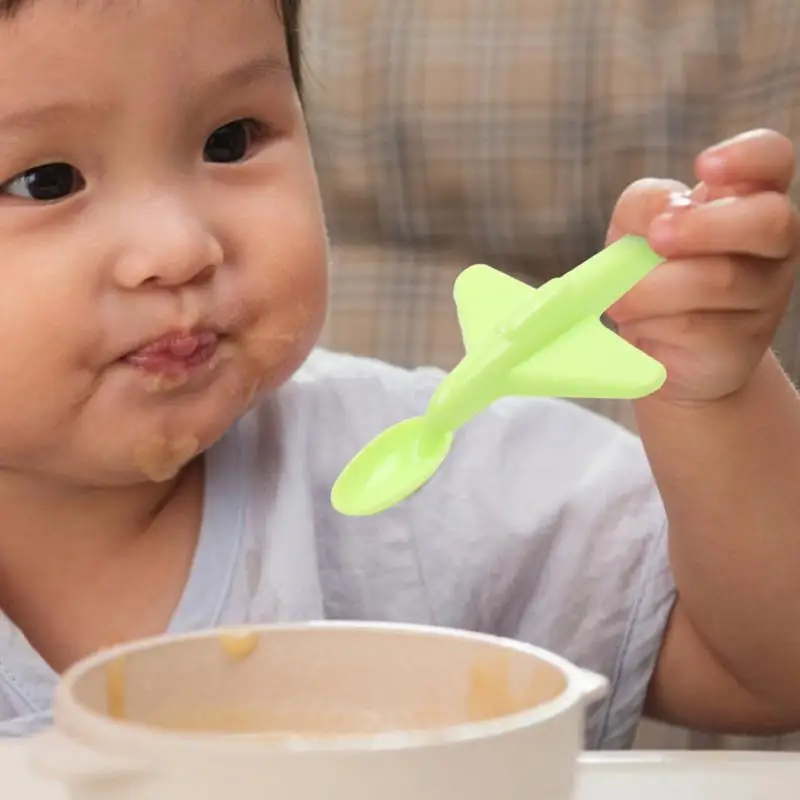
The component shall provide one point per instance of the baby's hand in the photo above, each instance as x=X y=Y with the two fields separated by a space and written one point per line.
x=709 y=313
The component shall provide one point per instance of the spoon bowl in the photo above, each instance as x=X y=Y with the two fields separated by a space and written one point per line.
x=519 y=341
x=390 y=468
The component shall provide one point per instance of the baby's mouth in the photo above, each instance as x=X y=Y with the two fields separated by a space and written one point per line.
x=175 y=352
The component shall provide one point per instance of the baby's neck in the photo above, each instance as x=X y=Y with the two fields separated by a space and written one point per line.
x=116 y=559
x=40 y=517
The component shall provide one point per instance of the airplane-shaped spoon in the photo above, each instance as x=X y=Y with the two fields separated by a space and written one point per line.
x=546 y=342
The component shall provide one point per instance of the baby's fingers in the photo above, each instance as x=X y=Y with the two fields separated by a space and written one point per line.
x=641 y=203
x=764 y=158
x=763 y=225
x=705 y=284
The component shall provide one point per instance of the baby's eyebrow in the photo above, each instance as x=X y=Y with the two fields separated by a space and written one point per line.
x=239 y=75
x=34 y=116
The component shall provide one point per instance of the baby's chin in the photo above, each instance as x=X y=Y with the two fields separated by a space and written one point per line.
x=143 y=453
x=152 y=442
x=131 y=433
x=157 y=452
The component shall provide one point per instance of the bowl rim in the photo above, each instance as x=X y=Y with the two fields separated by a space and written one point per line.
x=72 y=716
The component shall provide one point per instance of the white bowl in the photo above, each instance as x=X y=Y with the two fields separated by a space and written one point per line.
x=320 y=710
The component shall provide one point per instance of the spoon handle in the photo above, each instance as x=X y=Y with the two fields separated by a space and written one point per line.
x=585 y=291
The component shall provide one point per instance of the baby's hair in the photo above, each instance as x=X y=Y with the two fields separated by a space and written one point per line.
x=289 y=11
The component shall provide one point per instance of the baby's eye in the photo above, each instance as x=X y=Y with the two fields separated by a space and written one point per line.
x=45 y=183
x=233 y=142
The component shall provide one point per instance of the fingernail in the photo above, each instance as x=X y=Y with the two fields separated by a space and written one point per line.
x=680 y=200
x=662 y=230
x=700 y=193
x=719 y=202
x=718 y=147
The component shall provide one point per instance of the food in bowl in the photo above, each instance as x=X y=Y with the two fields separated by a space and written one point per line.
x=320 y=709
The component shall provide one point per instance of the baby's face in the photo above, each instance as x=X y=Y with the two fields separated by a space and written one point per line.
x=162 y=248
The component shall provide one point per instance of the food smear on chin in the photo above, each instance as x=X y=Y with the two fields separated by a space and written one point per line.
x=160 y=459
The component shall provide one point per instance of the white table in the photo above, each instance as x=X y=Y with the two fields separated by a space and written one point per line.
x=623 y=776
x=676 y=775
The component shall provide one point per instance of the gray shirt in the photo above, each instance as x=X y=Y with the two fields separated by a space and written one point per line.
x=543 y=524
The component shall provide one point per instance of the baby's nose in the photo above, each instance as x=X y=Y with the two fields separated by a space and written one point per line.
x=170 y=246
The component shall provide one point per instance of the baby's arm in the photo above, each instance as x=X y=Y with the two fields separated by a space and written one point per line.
x=723 y=436
x=730 y=478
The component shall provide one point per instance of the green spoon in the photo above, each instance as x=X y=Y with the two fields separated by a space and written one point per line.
x=519 y=341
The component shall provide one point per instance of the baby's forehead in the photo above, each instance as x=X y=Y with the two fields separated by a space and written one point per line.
x=287 y=10
x=267 y=18
x=190 y=27
x=62 y=42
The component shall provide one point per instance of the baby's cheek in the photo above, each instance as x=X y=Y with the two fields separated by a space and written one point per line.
x=271 y=345
x=39 y=396
x=289 y=329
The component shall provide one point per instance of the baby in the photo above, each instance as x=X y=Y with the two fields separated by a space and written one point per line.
x=168 y=441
